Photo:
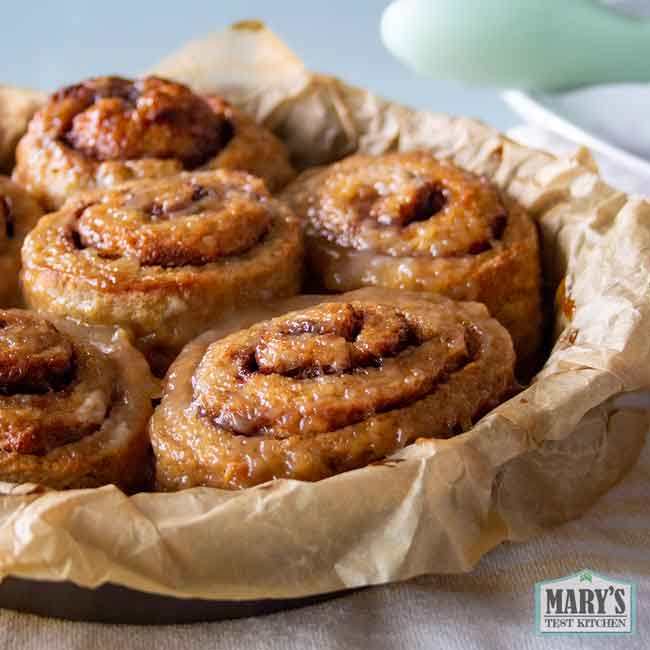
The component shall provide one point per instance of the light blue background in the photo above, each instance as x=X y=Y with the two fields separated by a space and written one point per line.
x=49 y=44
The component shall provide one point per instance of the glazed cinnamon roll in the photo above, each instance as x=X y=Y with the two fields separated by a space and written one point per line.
x=164 y=259
x=327 y=389
x=409 y=221
x=109 y=130
x=19 y=213
x=74 y=404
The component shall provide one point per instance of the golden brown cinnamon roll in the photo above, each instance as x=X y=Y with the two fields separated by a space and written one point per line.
x=19 y=213
x=164 y=258
x=327 y=389
x=74 y=404
x=109 y=130
x=409 y=221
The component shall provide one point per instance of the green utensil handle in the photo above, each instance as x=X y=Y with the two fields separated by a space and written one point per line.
x=543 y=44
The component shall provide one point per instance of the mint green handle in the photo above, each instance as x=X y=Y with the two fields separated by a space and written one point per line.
x=541 y=44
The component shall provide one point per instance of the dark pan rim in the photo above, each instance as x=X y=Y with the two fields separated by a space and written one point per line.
x=112 y=603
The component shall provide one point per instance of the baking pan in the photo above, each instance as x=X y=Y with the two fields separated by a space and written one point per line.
x=115 y=604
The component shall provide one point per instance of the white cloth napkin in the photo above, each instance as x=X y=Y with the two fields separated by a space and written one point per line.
x=490 y=608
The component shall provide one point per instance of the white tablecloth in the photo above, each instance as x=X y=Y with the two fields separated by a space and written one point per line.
x=490 y=608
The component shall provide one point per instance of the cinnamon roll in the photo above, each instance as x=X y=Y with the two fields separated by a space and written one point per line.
x=164 y=258
x=19 y=213
x=108 y=130
x=74 y=404
x=327 y=389
x=410 y=221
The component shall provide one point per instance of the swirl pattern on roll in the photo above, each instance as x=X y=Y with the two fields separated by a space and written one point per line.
x=327 y=389
x=410 y=221
x=19 y=213
x=164 y=258
x=74 y=404
x=108 y=130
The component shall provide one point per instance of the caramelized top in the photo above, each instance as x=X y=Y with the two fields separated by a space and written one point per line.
x=34 y=356
x=52 y=391
x=327 y=388
x=329 y=367
x=190 y=219
x=111 y=118
x=403 y=204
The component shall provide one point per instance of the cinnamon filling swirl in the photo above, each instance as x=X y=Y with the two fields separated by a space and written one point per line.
x=74 y=404
x=34 y=356
x=166 y=259
x=175 y=225
x=410 y=221
x=327 y=389
x=106 y=131
x=403 y=207
x=52 y=393
x=111 y=118
x=340 y=364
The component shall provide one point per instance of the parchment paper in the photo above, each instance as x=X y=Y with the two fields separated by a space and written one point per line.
x=437 y=506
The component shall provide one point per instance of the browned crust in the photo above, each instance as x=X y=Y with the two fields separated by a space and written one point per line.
x=19 y=213
x=163 y=306
x=89 y=427
x=505 y=273
x=327 y=389
x=91 y=136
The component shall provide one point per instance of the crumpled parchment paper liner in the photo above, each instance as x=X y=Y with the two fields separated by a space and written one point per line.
x=437 y=506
